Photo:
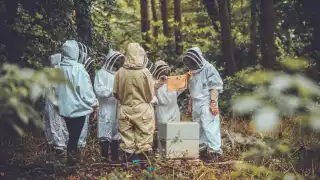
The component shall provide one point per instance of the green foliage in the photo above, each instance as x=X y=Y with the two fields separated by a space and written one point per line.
x=276 y=95
x=20 y=89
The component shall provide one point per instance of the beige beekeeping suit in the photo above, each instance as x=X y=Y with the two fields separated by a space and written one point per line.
x=134 y=86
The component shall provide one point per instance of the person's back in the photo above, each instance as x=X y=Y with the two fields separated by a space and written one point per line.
x=108 y=133
x=77 y=99
x=134 y=87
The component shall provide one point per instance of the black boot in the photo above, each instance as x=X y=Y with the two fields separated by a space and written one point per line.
x=127 y=158
x=72 y=159
x=104 y=148
x=143 y=157
x=59 y=155
x=115 y=151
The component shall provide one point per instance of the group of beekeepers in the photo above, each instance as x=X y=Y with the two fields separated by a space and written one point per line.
x=130 y=100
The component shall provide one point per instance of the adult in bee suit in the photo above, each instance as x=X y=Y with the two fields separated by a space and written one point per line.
x=76 y=100
x=204 y=86
x=55 y=129
x=108 y=133
x=134 y=88
x=88 y=65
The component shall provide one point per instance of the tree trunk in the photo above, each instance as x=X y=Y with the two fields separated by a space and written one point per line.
x=164 y=16
x=154 y=18
x=14 y=43
x=267 y=30
x=226 y=38
x=83 y=17
x=145 y=24
x=177 y=32
x=253 y=34
x=212 y=10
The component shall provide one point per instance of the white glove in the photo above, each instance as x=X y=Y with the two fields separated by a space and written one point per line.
x=154 y=100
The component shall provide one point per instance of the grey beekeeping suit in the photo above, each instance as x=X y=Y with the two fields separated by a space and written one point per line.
x=54 y=126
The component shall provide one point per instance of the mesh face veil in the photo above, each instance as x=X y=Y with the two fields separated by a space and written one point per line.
x=192 y=60
x=88 y=64
x=114 y=60
x=162 y=70
x=83 y=53
x=149 y=65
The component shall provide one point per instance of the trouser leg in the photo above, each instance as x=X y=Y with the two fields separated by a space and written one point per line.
x=74 y=126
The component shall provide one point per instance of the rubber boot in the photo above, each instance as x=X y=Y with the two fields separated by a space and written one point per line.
x=104 y=148
x=143 y=157
x=115 y=152
x=59 y=156
x=126 y=160
x=72 y=159
x=50 y=154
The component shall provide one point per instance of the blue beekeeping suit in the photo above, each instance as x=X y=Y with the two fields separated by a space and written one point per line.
x=167 y=109
x=77 y=99
x=108 y=133
x=205 y=78
x=54 y=126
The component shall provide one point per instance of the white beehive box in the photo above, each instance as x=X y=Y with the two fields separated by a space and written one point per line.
x=179 y=139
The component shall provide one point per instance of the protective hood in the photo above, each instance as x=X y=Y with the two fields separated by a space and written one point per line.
x=111 y=59
x=161 y=66
x=150 y=66
x=135 y=57
x=84 y=52
x=70 y=51
x=77 y=52
x=88 y=64
x=193 y=59
x=55 y=59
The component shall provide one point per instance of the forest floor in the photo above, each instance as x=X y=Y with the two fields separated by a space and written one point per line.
x=28 y=160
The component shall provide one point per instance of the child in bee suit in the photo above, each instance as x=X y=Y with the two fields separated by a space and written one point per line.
x=55 y=129
x=204 y=86
x=134 y=88
x=76 y=100
x=108 y=133
x=167 y=109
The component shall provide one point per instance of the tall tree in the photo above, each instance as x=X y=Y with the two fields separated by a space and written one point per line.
x=253 y=33
x=267 y=33
x=154 y=18
x=145 y=24
x=164 y=16
x=212 y=10
x=226 y=38
x=83 y=18
x=177 y=32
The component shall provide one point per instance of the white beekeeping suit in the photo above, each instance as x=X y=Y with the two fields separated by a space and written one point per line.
x=54 y=127
x=87 y=62
x=167 y=109
x=205 y=80
x=108 y=133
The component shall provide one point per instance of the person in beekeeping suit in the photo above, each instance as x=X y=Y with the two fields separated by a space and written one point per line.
x=204 y=87
x=134 y=88
x=167 y=109
x=77 y=100
x=108 y=133
x=88 y=65
x=55 y=130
